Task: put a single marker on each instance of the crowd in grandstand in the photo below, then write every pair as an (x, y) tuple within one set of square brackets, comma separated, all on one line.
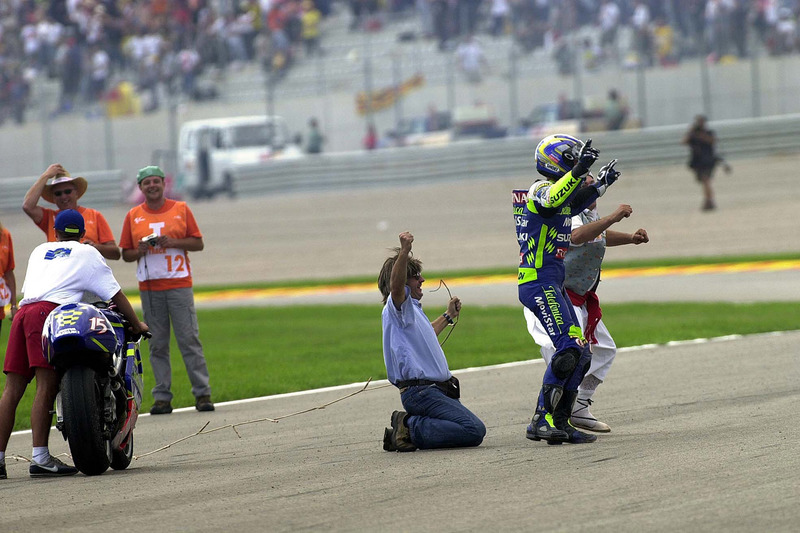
[(86, 43), (165, 44)]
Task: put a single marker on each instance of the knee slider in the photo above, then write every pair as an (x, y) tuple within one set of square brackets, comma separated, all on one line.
[(564, 363)]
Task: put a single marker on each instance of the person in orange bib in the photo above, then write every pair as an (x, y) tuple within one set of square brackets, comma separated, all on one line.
[(64, 191), (157, 235), (8, 282)]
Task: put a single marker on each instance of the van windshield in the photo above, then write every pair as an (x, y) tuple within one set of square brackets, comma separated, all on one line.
[(253, 135)]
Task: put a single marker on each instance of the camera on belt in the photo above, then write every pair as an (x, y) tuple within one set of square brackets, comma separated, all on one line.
[(151, 240)]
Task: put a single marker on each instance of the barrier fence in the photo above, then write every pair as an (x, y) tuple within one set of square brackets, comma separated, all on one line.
[(737, 139)]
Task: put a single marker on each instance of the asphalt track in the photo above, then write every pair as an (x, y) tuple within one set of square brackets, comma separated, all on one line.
[(703, 434)]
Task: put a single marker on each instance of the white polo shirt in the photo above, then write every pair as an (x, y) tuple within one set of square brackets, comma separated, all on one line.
[(60, 272)]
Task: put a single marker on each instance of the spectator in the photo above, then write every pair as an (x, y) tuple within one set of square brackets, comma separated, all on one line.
[(471, 59), (51, 33), (615, 111), (310, 19), (65, 191), (703, 158), (371, 138), (608, 20), (315, 137), (664, 42), (642, 41), (157, 235), (189, 62), (70, 65), (17, 89), (100, 65), (8, 282), (499, 12)]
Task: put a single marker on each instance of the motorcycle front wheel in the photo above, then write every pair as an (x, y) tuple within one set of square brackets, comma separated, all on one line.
[(82, 402)]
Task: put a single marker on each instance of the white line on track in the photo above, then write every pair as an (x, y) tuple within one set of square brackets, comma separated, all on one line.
[(639, 348)]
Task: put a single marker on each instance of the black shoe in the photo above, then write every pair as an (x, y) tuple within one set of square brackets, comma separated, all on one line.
[(204, 403), (161, 407), (53, 468), (387, 441), (399, 436), (3, 474)]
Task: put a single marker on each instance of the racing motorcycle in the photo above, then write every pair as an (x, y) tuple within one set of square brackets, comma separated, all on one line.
[(100, 393)]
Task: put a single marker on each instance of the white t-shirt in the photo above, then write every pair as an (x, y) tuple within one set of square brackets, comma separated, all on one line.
[(60, 272)]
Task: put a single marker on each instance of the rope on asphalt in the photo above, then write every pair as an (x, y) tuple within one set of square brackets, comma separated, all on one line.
[(202, 430)]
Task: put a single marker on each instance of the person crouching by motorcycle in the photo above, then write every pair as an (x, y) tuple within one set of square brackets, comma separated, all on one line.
[(58, 273)]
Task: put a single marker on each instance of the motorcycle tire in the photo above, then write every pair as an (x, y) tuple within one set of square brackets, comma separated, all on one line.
[(82, 403), (120, 459)]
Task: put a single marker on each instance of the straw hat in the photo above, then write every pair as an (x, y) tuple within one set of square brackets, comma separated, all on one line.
[(80, 186)]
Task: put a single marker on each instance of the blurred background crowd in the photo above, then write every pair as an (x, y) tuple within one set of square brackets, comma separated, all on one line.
[(162, 46)]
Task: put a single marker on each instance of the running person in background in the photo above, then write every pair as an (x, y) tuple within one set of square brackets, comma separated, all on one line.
[(157, 234), (416, 364), (65, 191), (544, 228), (589, 237)]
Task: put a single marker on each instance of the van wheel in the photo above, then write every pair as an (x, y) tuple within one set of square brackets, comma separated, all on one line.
[(227, 186)]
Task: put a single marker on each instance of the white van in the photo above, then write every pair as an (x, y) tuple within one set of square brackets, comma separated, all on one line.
[(209, 151)]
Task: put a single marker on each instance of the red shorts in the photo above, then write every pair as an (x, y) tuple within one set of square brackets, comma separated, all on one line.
[(24, 352)]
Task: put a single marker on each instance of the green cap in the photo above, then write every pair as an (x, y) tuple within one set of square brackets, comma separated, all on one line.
[(146, 172)]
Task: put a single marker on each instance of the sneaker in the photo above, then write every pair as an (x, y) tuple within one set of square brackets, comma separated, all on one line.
[(204, 403), (399, 436), (161, 407), (3, 474), (54, 467), (581, 417)]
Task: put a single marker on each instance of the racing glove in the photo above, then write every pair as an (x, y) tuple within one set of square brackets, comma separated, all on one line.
[(586, 158), (606, 177)]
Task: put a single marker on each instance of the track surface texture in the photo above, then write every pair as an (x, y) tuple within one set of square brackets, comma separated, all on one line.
[(703, 434)]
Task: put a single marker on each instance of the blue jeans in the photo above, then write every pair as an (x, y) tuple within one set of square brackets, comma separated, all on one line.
[(437, 421)]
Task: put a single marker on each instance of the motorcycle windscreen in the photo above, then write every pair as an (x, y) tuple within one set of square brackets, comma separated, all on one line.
[(78, 327)]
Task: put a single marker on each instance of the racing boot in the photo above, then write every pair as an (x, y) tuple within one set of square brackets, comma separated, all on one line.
[(561, 420), (542, 426)]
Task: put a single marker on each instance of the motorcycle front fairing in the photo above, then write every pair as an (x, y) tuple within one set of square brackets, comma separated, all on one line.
[(133, 388)]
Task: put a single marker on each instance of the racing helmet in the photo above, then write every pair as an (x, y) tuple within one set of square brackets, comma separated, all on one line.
[(556, 155)]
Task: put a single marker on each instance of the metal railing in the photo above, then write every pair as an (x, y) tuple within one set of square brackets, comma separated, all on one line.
[(737, 139)]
